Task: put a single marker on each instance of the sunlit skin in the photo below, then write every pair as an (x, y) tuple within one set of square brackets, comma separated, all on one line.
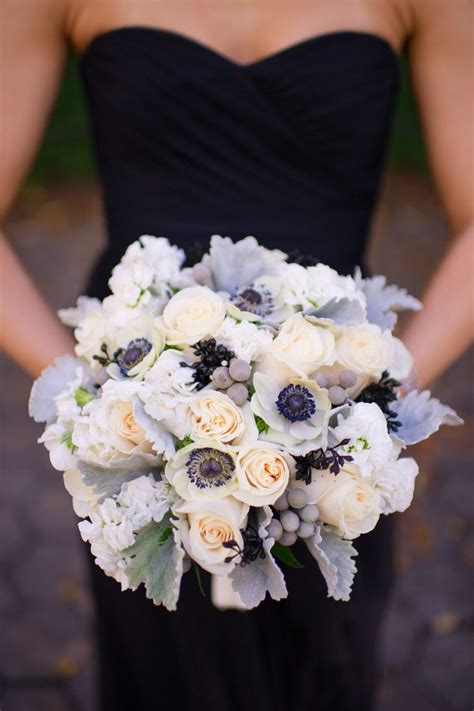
[(35, 34)]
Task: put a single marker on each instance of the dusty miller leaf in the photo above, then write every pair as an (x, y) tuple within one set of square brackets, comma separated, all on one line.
[(334, 557), (157, 562), (343, 312), (421, 415), (253, 581), (106, 482), (384, 301)]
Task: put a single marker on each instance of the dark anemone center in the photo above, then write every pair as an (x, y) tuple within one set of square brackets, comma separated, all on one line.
[(251, 296), (207, 467), (296, 403), (133, 354)]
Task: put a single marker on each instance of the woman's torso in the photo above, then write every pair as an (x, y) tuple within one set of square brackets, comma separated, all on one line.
[(193, 139)]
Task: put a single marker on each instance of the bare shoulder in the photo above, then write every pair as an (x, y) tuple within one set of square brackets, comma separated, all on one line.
[(31, 20), (439, 22)]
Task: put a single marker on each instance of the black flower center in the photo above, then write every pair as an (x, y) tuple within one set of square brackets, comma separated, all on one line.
[(133, 354), (257, 300), (207, 467), (296, 403)]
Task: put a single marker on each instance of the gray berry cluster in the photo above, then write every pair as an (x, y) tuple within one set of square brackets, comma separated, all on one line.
[(231, 378), (294, 517), (337, 384)]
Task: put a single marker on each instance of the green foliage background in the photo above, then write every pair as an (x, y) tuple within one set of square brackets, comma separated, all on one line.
[(66, 153)]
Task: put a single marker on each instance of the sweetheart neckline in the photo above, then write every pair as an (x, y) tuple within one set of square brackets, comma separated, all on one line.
[(210, 51)]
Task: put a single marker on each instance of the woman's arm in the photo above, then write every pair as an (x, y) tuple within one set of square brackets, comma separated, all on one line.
[(33, 52), (441, 59)]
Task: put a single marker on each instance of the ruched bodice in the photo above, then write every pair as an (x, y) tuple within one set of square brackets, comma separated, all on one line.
[(288, 148)]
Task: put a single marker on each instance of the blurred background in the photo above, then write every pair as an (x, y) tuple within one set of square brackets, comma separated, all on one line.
[(46, 653)]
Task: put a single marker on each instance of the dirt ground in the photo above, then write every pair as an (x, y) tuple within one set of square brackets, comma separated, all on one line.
[(46, 650)]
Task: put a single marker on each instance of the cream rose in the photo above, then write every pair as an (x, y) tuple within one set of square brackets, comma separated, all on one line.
[(300, 348), (351, 504), (192, 314), (263, 473), (206, 525), (367, 350), (214, 416), (108, 432)]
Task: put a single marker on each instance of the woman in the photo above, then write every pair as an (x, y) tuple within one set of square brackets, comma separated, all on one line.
[(237, 118)]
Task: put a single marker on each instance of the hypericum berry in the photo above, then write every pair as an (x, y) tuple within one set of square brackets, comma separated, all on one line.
[(288, 538), (239, 370), (238, 393), (323, 380), (275, 529), (337, 395), (281, 504), (305, 529), (309, 513), (221, 377), (347, 378), (289, 520), (297, 498), (202, 274)]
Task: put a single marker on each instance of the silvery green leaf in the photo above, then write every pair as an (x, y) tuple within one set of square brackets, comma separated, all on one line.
[(51, 383), (334, 556), (384, 301), (343, 312), (253, 581), (421, 415), (107, 482), (237, 264), (157, 562), (160, 438)]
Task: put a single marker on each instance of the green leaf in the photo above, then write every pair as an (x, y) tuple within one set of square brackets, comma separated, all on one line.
[(157, 562), (67, 440), (262, 426), (173, 289), (251, 390), (183, 442), (171, 348), (82, 396), (286, 555)]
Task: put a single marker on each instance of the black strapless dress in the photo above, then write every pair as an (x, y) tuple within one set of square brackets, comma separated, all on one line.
[(290, 149)]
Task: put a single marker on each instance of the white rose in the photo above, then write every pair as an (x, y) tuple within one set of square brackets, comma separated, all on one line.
[(192, 314), (299, 349), (351, 504), (206, 525), (108, 432), (203, 469), (263, 473), (367, 350), (213, 415)]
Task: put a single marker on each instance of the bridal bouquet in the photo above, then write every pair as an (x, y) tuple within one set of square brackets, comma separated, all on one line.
[(217, 415)]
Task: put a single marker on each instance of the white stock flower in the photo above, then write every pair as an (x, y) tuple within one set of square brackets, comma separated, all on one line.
[(396, 484), (294, 412), (263, 473), (204, 469), (114, 523), (162, 257), (84, 500), (246, 340), (206, 525), (57, 438), (313, 287), (369, 444), (349, 503), (192, 314), (367, 350), (131, 282), (299, 349), (108, 432)]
